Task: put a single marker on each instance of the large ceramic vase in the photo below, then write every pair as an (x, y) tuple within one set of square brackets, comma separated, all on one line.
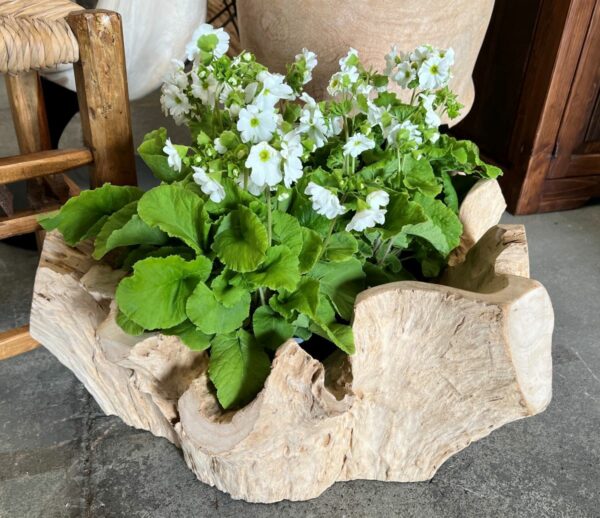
[(277, 30)]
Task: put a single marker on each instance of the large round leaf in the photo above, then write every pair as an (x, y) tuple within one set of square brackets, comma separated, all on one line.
[(154, 297), (211, 316), (241, 241)]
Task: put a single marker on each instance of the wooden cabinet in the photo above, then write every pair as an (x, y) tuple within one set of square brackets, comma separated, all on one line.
[(537, 108)]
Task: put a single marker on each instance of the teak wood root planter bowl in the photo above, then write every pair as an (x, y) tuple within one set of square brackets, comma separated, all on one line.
[(436, 367)]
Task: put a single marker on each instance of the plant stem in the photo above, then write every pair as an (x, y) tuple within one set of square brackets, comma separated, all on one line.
[(269, 216), (387, 252), (329, 233), (261, 293)]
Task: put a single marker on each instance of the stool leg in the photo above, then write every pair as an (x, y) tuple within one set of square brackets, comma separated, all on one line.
[(31, 126), (103, 96)]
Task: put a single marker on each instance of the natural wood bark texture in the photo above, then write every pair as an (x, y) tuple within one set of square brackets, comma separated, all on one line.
[(436, 367), (271, 30)]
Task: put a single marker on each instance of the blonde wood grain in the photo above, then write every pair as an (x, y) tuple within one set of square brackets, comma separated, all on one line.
[(33, 165), (16, 341), (103, 99), (24, 222), (436, 367)]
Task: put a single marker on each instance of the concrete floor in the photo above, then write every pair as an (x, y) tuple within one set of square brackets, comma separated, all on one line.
[(60, 456)]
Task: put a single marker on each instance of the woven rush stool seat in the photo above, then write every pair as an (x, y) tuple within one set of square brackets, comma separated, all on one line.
[(35, 35)]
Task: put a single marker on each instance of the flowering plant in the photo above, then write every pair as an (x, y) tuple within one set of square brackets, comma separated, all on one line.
[(283, 208)]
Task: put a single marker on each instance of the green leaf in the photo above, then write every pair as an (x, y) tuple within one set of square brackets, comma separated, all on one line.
[(129, 326), (234, 196), (176, 211), (227, 293), (418, 175), (401, 212), (340, 334), (155, 295), (278, 271), (431, 233), (301, 208), (211, 316), (238, 368), (450, 196), (80, 217), (144, 251), (241, 241), (270, 329), (287, 231), (151, 152), (112, 223), (305, 299), (341, 247), (136, 232), (325, 325), (190, 335), (444, 218), (312, 245), (341, 282)]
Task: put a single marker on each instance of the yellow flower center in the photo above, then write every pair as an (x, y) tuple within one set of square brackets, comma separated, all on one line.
[(264, 155), (254, 122)]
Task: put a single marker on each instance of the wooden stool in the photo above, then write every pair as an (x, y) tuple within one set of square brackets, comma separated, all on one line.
[(38, 34)]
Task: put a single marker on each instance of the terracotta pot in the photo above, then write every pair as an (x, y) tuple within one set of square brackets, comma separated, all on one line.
[(277, 31)]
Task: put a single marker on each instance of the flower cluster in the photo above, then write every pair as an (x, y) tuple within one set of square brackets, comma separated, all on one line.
[(283, 208)]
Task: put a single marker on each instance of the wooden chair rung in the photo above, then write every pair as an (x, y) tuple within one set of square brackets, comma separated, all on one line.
[(42, 163), (23, 222), (16, 341)]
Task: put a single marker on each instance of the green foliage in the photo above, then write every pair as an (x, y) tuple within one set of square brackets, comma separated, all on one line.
[(177, 212), (151, 151), (155, 296), (238, 367), (241, 241), (83, 216), (243, 247)]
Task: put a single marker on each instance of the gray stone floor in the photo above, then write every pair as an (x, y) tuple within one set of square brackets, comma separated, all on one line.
[(60, 456)]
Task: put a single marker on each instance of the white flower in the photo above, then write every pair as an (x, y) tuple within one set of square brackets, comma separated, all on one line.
[(177, 75), (291, 151), (173, 158), (366, 218), (310, 59), (433, 74), (447, 57), (342, 82), (374, 215), (378, 199), (208, 186), (192, 49), (364, 89), (250, 92), (312, 122), (324, 202), (221, 149), (205, 88), (391, 61), (274, 89), (358, 143), (414, 134), (251, 187), (256, 125), (421, 54), (349, 61), (175, 103), (264, 162), (335, 125), (405, 74), (374, 113), (432, 119)]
